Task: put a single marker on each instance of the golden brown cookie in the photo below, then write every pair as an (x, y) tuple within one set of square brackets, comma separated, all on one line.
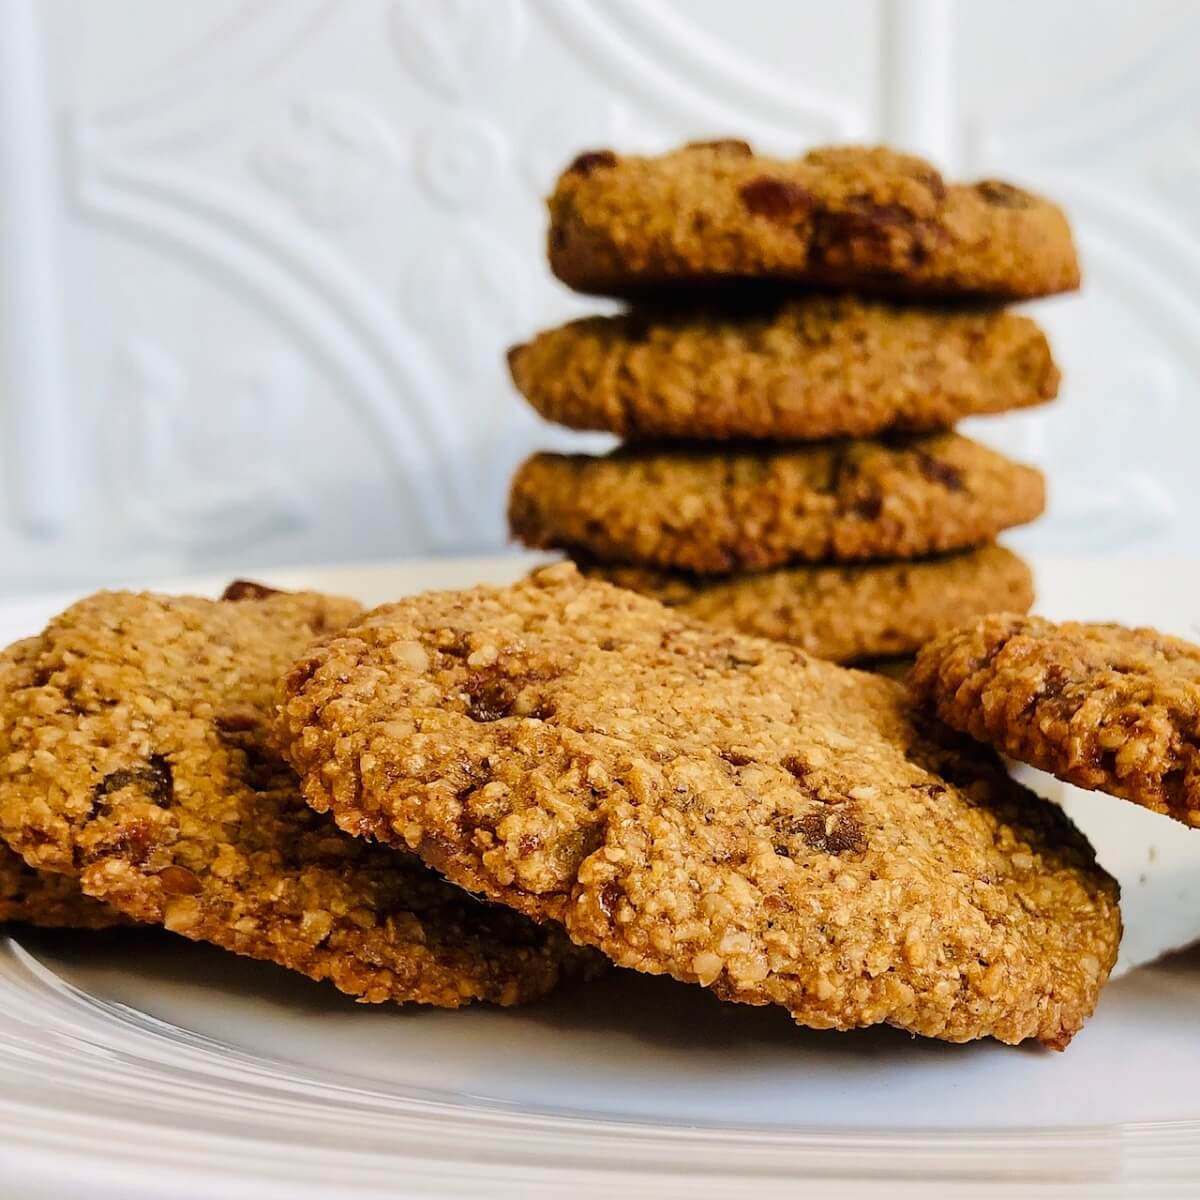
[(865, 218), (806, 368), (714, 511), (1104, 707), (53, 901), (844, 613), (722, 809), (42, 897), (134, 754)]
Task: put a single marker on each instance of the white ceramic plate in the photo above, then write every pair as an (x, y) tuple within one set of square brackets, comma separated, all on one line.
[(138, 1064)]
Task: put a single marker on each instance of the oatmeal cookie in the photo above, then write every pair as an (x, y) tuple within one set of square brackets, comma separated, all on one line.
[(717, 511), (806, 368), (134, 755), (879, 610), (1104, 707), (722, 809), (864, 218)]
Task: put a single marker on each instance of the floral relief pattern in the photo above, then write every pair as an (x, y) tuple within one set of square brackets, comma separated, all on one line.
[(460, 49), (203, 457), (460, 161), (331, 157), (470, 298)]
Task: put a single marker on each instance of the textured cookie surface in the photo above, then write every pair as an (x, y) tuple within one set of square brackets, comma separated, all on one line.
[(865, 218), (134, 754), (815, 367), (719, 808), (844, 613), (42, 897), (53, 901), (1101, 706), (715, 511)]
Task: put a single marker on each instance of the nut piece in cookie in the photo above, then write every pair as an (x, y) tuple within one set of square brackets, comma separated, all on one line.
[(845, 614), (135, 755), (865, 218), (1101, 706), (719, 808), (717, 511)]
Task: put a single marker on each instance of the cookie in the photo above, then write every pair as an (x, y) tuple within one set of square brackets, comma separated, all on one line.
[(135, 755), (722, 809), (1101, 706), (52, 901), (748, 508), (844, 613), (864, 218), (805, 368)]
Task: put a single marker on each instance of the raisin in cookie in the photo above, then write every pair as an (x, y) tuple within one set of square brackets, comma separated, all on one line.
[(722, 809), (845, 614), (714, 511), (1104, 707), (864, 218), (805, 368), (134, 755)]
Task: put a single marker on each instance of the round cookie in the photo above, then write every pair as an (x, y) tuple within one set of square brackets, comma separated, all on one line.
[(135, 755), (1104, 707), (864, 218), (713, 511), (845, 614), (52, 901), (722, 809), (807, 368)]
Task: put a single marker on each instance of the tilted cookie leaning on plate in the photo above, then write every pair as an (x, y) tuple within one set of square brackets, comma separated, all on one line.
[(1103, 707)]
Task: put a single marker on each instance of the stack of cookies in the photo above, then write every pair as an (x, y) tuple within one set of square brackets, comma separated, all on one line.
[(803, 336)]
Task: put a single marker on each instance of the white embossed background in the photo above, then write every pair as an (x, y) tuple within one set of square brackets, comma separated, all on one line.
[(259, 259)]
